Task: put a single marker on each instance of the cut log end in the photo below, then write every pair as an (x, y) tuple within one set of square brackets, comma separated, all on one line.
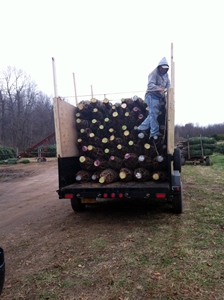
[(101, 180), (138, 175), (127, 156), (96, 163), (122, 175), (90, 148), (155, 176), (82, 159)]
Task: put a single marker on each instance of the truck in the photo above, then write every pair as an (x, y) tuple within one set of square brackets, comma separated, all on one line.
[(82, 194)]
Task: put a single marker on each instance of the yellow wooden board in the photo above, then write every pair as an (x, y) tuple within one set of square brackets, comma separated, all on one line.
[(65, 129)]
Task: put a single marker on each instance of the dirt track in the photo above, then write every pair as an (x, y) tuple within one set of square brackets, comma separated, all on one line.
[(30, 213), (27, 195), (36, 227)]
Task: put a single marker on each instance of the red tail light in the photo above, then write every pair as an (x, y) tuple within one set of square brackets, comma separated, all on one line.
[(161, 195), (68, 196)]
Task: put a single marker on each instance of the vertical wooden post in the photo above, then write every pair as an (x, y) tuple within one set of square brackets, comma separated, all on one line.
[(170, 110), (91, 91), (170, 122), (76, 98), (54, 78), (173, 70), (171, 67), (173, 80)]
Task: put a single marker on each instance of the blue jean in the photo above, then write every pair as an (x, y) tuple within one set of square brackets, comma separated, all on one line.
[(154, 106)]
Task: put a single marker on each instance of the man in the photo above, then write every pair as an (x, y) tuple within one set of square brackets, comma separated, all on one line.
[(158, 81)]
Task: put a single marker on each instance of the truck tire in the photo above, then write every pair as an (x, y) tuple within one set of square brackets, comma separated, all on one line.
[(178, 202), (183, 161), (207, 161), (77, 205), (177, 160)]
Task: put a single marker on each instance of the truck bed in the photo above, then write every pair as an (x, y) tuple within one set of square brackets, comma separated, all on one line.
[(70, 165), (117, 184)]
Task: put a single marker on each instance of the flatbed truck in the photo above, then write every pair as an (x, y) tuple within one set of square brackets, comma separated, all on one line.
[(82, 194)]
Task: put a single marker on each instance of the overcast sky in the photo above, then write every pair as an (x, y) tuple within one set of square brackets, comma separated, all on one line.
[(114, 44)]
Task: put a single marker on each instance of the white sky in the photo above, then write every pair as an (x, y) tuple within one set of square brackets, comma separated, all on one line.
[(114, 44)]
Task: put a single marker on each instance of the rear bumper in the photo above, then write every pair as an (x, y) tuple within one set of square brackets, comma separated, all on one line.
[(146, 190)]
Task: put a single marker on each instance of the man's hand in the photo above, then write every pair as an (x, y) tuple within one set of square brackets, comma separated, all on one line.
[(160, 90)]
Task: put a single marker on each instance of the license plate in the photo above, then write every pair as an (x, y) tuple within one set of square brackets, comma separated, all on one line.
[(88, 200)]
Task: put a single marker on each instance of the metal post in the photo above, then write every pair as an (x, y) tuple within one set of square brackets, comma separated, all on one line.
[(76, 99), (54, 77)]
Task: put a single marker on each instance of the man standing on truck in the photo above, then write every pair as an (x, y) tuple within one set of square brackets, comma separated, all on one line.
[(158, 82)]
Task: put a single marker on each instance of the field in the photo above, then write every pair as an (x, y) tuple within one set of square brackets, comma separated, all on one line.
[(115, 250)]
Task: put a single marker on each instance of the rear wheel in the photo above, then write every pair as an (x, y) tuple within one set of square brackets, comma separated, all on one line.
[(177, 160), (178, 202), (183, 161), (207, 161), (77, 205)]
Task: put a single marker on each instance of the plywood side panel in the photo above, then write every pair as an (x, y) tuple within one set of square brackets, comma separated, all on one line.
[(65, 130)]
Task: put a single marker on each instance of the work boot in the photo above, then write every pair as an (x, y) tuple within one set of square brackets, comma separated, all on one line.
[(139, 130)]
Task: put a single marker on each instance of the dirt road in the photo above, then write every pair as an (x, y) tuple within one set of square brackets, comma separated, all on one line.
[(27, 194), (30, 211), (39, 231)]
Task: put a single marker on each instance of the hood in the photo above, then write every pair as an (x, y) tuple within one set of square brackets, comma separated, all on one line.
[(163, 61)]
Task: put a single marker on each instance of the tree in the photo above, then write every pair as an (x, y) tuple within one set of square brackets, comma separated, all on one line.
[(26, 114), (189, 130)]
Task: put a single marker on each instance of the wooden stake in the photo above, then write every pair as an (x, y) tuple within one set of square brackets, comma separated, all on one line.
[(76, 98), (91, 91), (54, 78)]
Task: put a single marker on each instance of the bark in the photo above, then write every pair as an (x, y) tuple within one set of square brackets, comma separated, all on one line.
[(108, 176), (131, 161), (83, 176), (141, 174), (115, 162)]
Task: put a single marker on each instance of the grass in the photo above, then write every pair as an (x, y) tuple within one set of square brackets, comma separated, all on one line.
[(115, 252)]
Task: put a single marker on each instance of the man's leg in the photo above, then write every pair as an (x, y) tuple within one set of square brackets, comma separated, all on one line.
[(154, 109), (145, 125)]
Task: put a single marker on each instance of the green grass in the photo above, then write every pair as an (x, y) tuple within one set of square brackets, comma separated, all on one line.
[(217, 161), (118, 252)]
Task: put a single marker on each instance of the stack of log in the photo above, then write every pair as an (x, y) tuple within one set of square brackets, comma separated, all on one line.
[(110, 146), (197, 147)]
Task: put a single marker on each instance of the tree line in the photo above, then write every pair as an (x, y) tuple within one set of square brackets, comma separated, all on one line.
[(26, 114), (191, 130)]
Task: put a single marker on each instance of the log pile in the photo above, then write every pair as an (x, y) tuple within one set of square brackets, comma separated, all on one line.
[(110, 146), (197, 147)]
